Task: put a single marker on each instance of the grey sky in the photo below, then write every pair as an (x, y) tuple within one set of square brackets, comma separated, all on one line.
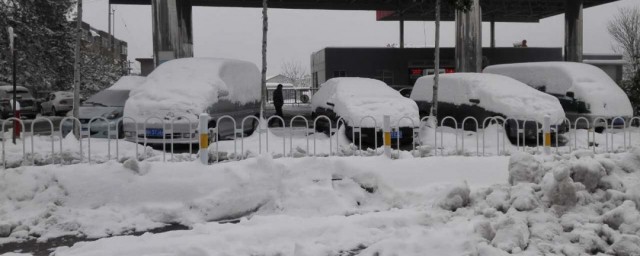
[(295, 34)]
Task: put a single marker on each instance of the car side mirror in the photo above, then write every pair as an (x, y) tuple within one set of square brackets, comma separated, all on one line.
[(571, 95), (542, 88), (331, 104), (223, 93), (474, 101)]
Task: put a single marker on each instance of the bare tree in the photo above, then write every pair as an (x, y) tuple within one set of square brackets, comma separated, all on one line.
[(295, 72), (625, 30)]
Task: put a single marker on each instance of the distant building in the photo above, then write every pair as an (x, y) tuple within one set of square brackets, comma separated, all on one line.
[(100, 42), (611, 64)]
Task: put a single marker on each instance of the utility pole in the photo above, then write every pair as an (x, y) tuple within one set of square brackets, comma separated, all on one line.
[(436, 77), (265, 28), (12, 37), (76, 70)]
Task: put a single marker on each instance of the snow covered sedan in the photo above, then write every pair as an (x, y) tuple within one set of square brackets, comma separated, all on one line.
[(108, 104), (362, 102), (583, 90), (180, 90), (481, 96)]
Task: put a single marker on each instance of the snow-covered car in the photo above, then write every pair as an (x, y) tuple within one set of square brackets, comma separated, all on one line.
[(107, 104), (583, 90), (26, 100), (362, 102), (481, 96), (178, 91), (57, 103)]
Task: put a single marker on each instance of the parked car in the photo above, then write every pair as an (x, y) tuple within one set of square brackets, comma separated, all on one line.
[(107, 104), (360, 100), (583, 90), (405, 90), (482, 96), (180, 90), (27, 102), (57, 103)]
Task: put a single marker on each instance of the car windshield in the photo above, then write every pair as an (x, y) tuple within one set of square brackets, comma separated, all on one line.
[(108, 98)]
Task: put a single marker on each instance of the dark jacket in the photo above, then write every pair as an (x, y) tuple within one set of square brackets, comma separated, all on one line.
[(278, 99)]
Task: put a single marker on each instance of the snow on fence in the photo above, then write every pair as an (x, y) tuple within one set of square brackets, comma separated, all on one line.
[(430, 137)]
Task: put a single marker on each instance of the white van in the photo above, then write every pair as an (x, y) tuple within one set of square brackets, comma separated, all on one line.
[(180, 90), (483, 96), (583, 90)]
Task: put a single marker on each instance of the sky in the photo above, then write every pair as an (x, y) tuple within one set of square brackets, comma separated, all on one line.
[(295, 34)]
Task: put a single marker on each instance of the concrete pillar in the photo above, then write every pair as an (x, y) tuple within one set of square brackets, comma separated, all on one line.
[(401, 32), (573, 31), (469, 39), (493, 33), (172, 30)]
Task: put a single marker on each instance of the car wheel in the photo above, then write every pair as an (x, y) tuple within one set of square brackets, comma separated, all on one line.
[(254, 126)]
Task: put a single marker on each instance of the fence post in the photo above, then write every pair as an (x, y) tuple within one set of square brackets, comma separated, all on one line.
[(547, 134), (204, 138), (386, 126)]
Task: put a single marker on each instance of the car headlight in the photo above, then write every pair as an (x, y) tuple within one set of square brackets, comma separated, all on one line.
[(113, 115)]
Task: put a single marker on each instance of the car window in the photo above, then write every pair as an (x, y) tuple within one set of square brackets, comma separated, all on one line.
[(108, 98), (52, 97)]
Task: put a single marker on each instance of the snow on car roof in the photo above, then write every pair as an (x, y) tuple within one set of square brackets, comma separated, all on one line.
[(127, 83), (587, 82), (193, 84), (356, 98), (496, 93)]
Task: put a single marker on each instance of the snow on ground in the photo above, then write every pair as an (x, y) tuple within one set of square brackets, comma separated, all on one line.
[(449, 142), (573, 204), (325, 193)]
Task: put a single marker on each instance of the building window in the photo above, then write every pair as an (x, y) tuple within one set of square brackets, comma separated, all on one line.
[(123, 49), (341, 73), (315, 79), (385, 76), (105, 42)]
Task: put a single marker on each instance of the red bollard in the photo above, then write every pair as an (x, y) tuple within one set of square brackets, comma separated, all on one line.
[(16, 124)]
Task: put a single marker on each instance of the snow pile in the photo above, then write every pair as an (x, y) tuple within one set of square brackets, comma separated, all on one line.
[(357, 98), (44, 154), (496, 93), (587, 82), (374, 206), (189, 86), (128, 83), (585, 204)]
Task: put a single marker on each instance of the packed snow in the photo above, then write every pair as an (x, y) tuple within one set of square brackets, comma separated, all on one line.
[(571, 204), (587, 82), (356, 98), (496, 93), (189, 86), (128, 83)]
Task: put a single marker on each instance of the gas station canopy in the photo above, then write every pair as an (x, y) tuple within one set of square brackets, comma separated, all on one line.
[(412, 10)]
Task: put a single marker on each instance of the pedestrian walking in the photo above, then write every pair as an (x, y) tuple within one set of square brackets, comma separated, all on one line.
[(278, 100)]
